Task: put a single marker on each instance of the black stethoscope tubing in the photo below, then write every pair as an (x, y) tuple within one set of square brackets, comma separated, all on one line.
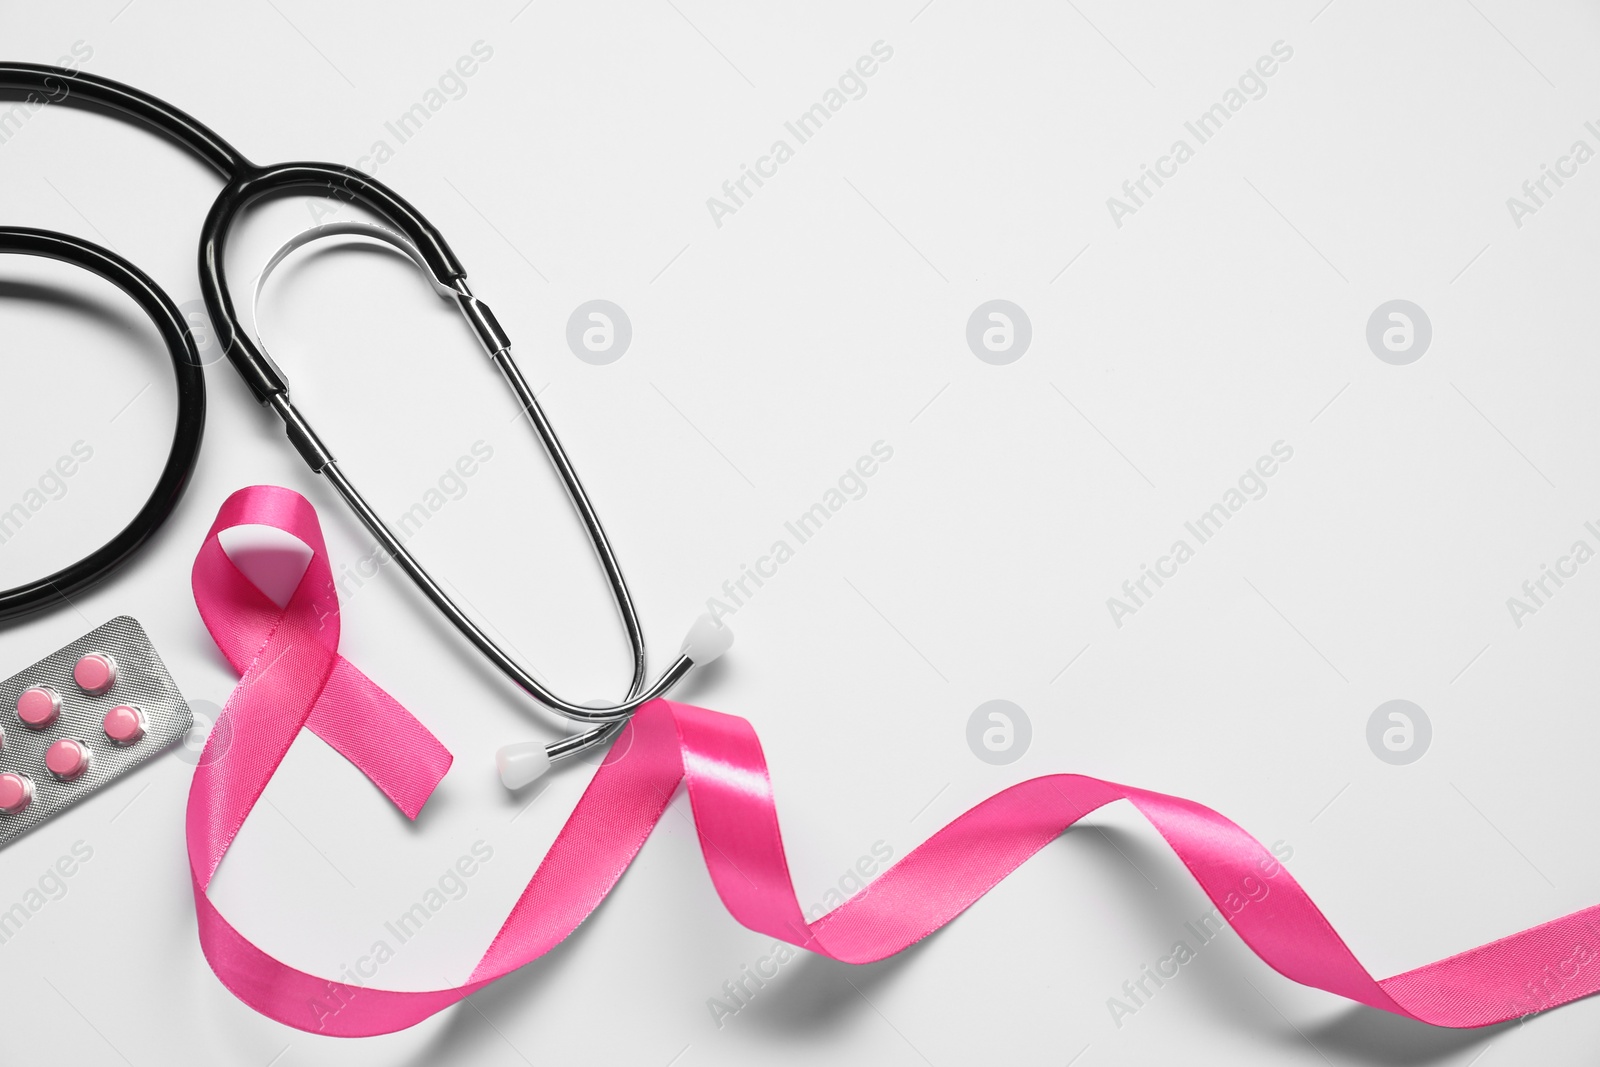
[(59, 587), (246, 183)]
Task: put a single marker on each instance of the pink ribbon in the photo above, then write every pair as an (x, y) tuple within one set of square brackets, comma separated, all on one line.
[(292, 677)]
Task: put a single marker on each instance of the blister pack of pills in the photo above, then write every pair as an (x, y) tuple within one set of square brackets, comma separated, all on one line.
[(81, 718)]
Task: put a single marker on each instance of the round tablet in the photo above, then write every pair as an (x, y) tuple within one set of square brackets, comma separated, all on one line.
[(95, 673), (16, 793), (38, 707), (125, 724), (67, 759)]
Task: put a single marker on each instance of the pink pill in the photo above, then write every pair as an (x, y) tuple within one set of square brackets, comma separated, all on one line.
[(38, 707), (67, 759), (95, 673), (125, 724), (16, 793)]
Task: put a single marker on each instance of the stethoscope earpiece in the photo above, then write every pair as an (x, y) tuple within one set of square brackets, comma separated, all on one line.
[(525, 762), (706, 640), (522, 764)]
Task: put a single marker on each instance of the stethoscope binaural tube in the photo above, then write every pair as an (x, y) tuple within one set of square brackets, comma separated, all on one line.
[(58, 588), (247, 183), (704, 643)]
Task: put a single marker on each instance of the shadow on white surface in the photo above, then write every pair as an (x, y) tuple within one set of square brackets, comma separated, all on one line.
[(1236, 983)]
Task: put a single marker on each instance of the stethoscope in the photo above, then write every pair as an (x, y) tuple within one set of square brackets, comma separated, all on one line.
[(409, 231)]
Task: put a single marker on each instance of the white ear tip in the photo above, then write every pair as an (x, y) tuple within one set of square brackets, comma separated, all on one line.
[(707, 639), (521, 764)]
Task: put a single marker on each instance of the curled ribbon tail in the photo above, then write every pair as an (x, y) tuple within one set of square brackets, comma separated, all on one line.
[(292, 677)]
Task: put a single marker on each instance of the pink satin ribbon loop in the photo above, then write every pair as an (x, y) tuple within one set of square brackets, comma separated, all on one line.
[(292, 676)]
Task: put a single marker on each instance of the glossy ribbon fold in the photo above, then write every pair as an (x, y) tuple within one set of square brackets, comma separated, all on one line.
[(292, 677)]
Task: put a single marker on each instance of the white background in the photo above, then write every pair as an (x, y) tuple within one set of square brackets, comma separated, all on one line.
[(828, 313)]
